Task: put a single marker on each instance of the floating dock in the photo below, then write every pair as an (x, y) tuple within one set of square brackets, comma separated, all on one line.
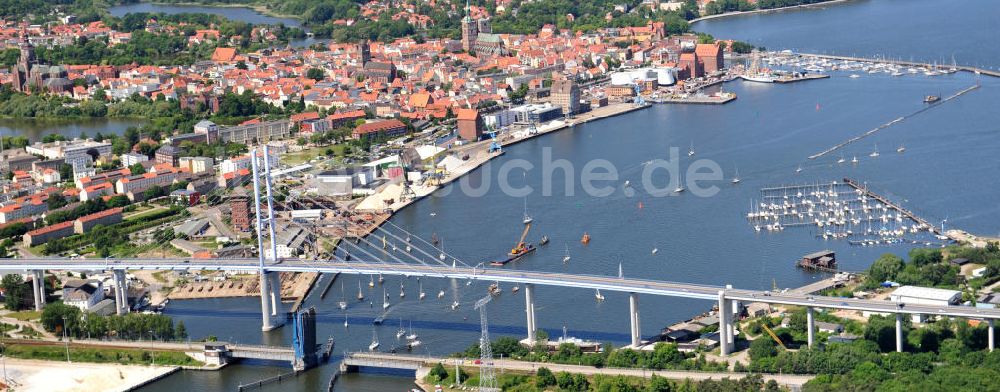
[(698, 100), (884, 200), (800, 78)]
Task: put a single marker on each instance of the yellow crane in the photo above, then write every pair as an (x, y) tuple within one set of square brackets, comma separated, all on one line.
[(773, 335), (521, 246)]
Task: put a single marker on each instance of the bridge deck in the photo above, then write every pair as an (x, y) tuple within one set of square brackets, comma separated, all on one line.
[(606, 283)]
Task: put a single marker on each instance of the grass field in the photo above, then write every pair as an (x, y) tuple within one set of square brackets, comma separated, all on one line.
[(100, 355)]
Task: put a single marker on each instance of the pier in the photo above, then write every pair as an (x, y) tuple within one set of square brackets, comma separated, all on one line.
[(697, 99), (801, 78), (966, 68), (893, 122), (884, 200)]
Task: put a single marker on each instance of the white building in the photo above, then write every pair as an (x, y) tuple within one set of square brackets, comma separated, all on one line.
[(132, 158), (83, 294), (197, 164), (915, 295)]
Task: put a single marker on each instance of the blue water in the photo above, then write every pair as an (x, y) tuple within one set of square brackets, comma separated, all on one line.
[(922, 30)]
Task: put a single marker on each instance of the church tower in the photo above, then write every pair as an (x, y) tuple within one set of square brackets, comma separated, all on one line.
[(470, 30), (366, 52), (22, 71)]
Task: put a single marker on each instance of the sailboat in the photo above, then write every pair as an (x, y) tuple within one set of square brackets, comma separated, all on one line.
[(380, 279), (442, 256), (411, 335), (901, 149), (841, 160), (515, 289), (374, 344), (874, 154), (402, 292), (441, 294), (527, 218), (371, 281), (798, 169), (736, 178), (345, 322), (422, 293), (454, 305), (401, 332), (566, 257), (598, 295), (343, 297), (385, 299), (361, 296), (855, 159), (680, 185), (691, 150)]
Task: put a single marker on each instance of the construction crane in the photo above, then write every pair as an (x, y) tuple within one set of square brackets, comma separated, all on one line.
[(487, 375), (773, 335), (522, 247)]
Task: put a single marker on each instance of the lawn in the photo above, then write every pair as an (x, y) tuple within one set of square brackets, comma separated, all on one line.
[(25, 315), (100, 355)]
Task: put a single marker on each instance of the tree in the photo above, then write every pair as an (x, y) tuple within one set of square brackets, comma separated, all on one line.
[(58, 316), (659, 384), (14, 291), (241, 65), (885, 268), (55, 201), (544, 377), (181, 330), (762, 347), (315, 74), (66, 172), (137, 169), (438, 372)]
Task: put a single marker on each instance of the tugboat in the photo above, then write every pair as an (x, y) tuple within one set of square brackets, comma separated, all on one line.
[(544, 240)]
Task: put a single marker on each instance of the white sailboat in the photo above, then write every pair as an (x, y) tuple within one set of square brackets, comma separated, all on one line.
[(422, 293), (343, 297), (691, 150), (381, 279), (566, 257), (442, 255), (656, 250), (374, 344), (798, 169), (345, 322), (401, 332), (901, 149), (680, 185), (855, 159), (361, 296), (402, 291), (441, 294), (371, 281), (527, 218), (385, 299), (736, 178), (599, 296), (411, 335), (874, 154), (841, 160), (454, 305)]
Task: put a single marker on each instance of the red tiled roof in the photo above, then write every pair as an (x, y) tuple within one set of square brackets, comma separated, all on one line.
[(49, 229), (378, 126), (102, 214)]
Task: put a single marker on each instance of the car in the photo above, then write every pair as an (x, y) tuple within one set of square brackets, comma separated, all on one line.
[(900, 305), (843, 304), (477, 362)]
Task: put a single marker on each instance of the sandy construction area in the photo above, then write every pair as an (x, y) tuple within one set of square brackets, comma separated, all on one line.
[(31, 375)]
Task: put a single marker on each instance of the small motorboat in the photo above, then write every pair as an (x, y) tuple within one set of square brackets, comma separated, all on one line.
[(544, 240), (585, 239)]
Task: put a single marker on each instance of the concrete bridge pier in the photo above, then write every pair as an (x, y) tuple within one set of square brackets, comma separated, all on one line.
[(633, 304), (724, 348), (270, 300), (38, 288), (899, 332), (121, 292), (529, 310), (810, 326), (990, 334)]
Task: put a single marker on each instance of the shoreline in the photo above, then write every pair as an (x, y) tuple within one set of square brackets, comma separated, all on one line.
[(765, 11), (260, 9), (39, 375)]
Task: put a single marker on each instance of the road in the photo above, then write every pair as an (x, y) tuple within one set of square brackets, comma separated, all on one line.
[(490, 274), (791, 380)]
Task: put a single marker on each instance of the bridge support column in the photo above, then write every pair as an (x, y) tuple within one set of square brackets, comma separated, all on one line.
[(810, 326), (269, 301), (990, 334), (121, 292), (899, 332), (633, 304), (38, 288), (723, 324), (529, 311)]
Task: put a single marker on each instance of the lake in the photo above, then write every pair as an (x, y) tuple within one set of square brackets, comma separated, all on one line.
[(35, 129)]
